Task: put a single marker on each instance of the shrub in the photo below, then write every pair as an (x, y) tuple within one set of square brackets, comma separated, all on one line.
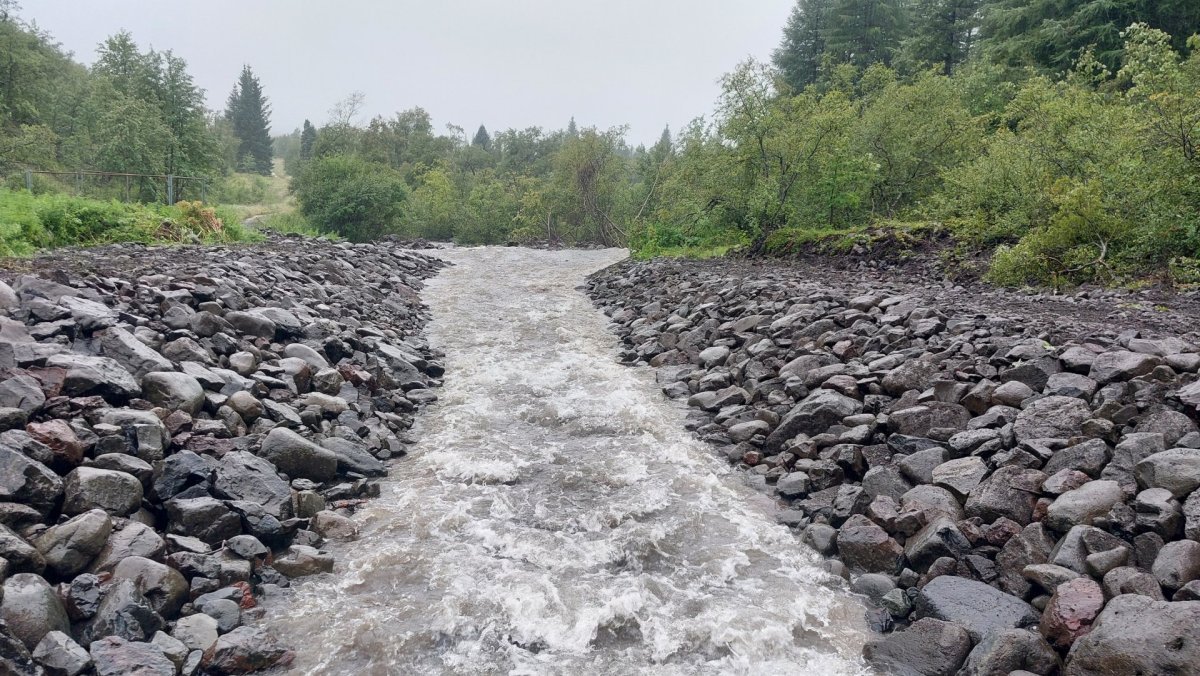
[(357, 199)]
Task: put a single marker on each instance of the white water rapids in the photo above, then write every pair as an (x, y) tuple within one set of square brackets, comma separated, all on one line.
[(556, 518)]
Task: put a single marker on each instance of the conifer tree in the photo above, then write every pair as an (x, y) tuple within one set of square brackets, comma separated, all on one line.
[(864, 32), (308, 136), (249, 114), (482, 139), (800, 53)]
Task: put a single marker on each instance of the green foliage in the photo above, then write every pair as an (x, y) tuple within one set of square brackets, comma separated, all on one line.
[(358, 199), (249, 113), (240, 189), (294, 223)]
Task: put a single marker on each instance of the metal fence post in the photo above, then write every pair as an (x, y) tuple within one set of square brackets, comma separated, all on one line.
[(170, 189), (79, 183), (29, 180)]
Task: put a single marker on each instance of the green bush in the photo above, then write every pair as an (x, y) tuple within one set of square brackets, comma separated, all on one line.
[(292, 223), (357, 199), (240, 189)]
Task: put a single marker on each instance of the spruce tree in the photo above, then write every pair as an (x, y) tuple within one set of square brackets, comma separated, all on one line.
[(799, 55), (249, 115), (942, 33), (308, 137), (864, 32), (482, 139)]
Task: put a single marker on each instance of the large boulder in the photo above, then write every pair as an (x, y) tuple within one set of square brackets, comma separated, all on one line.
[(175, 391), (352, 457), (123, 612), (86, 375), (61, 655), (929, 647), (1051, 417), (298, 457), (244, 650), (162, 586), (816, 413), (1083, 505), (1010, 493), (1136, 634), (32, 609), (137, 357), (247, 477), (69, 547), (129, 538), (1071, 611), (115, 656), (866, 548), (977, 607), (1111, 367), (1176, 469), (1011, 651), (22, 392), (88, 488), (28, 482)]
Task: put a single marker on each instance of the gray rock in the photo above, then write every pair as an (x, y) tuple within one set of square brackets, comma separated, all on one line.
[(173, 648), (1084, 505), (31, 609), (1011, 651), (1177, 470), (88, 488), (246, 405), (977, 607), (300, 560), (246, 477), (1130, 580), (86, 375), (179, 471), (197, 632), (61, 656), (21, 557), (22, 392), (939, 538), (175, 391), (1049, 576), (866, 548), (123, 612), (114, 656), (28, 481), (930, 647), (1177, 564), (793, 485), (1173, 425), (1078, 547), (298, 457), (1156, 510), (1138, 635), (205, 518), (129, 538), (242, 650), (1117, 366), (919, 421), (131, 353), (69, 547), (1051, 418), (1010, 493), (1089, 457), (814, 415), (163, 587), (961, 475), (352, 457), (918, 467)]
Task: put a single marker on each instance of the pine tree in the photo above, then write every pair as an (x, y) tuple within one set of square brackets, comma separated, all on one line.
[(864, 32), (482, 139), (799, 54), (942, 33), (572, 128), (249, 114), (308, 136)]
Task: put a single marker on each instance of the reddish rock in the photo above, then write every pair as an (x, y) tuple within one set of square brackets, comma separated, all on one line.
[(61, 439), (752, 458), (244, 650), (1071, 611)]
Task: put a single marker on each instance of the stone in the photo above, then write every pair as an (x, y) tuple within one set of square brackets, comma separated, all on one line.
[(1009, 493), (1012, 393), (226, 612), (1156, 510), (205, 518), (298, 457), (301, 560), (1116, 366), (1084, 505), (352, 457), (794, 485), (173, 648), (175, 391), (31, 609), (69, 547), (919, 421), (1051, 418), (930, 647), (1173, 425), (123, 612), (961, 475), (1177, 564), (918, 467), (1071, 611), (197, 632), (86, 375), (939, 538), (977, 607), (129, 538), (1177, 470), (23, 393), (1076, 549), (1130, 580), (1089, 457), (180, 471), (246, 405), (246, 477), (866, 548), (244, 650), (334, 526), (1138, 635), (814, 415), (28, 482), (131, 353), (19, 555), (163, 587), (88, 488), (61, 656), (115, 656), (1049, 576)]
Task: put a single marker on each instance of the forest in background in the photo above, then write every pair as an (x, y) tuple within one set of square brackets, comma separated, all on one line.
[(1056, 141)]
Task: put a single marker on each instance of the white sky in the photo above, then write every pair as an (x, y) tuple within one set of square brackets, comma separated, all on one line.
[(503, 63)]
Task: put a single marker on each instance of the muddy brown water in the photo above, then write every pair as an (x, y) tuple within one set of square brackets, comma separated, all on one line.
[(556, 518)]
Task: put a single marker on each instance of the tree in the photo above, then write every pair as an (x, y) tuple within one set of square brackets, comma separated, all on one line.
[(357, 199), (250, 114), (572, 128), (482, 139), (943, 32), (308, 137), (863, 32), (799, 56)]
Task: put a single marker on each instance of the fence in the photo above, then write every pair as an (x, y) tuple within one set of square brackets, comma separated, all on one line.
[(167, 188)]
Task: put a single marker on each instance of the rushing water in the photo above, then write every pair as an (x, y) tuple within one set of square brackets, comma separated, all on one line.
[(557, 519)]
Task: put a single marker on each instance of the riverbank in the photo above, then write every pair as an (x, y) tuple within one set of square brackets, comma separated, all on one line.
[(181, 430), (1008, 477)]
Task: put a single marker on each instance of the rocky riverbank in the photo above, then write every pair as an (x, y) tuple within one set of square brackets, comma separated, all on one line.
[(1011, 480), (181, 429)]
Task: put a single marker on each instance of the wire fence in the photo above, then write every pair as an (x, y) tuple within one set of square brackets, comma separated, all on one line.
[(164, 188)]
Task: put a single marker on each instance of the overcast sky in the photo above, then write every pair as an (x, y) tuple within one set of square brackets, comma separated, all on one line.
[(503, 63)]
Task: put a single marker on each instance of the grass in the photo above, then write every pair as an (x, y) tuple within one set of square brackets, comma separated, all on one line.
[(250, 195), (293, 223)]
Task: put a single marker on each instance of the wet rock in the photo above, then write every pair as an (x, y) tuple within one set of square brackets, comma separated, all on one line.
[(1084, 547), (1138, 635), (20, 556), (1117, 366), (205, 518), (246, 477), (1084, 505), (960, 476), (939, 538), (124, 612), (352, 457), (244, 650), (31, 609), (61, 656), (298, 457), (1071, 611), (1130, 580), (300, 561), (88, 488), (23, 393), (28, 481), (176, 391), (197, 632), (1009, 493), (866, 548), (977, 607), (164, 588), (129, 538), (115, 656), (333, 526), (86, 375), (131, 353), (930, 647), (1011, 651), (814, 415), (69, 547)]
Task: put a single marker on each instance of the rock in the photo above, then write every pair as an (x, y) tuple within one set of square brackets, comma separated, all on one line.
[(796, 484), (163, 587), (205, 518), (246, 405), (298, 457), (333, 526), (1177, 470), (28, 481), (20, 556), (919, 421), (939, 538), (300, 560), (1012, 393), (69, 547), (129, 538), (1071, 611), (31, 609), (247, 547), (175, 391), (915, 374), (975, 606), (1049, 576), (918, 467), (1009, 493), (1173, 425), (1083, 505), (22, 392), (930, 647), (131, 353), (61, 656), (1138, 635), (1051, 418), (242, 651), (1011, 651), (123, 612), (1177, 564), (225, 611), (866, 548), (1156, 510), (873, 586), (715, 401), (1078, 547), (246, 477), (179, 471), (819, 411), (961, 475), (114, 656), (174, 649), (87, 375), (1112, 367), (88, 488), (1089, 457), (1130, 580), (197, 632), (352, 457)]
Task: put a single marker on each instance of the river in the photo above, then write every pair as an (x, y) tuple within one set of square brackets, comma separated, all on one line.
[(556, 518)]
